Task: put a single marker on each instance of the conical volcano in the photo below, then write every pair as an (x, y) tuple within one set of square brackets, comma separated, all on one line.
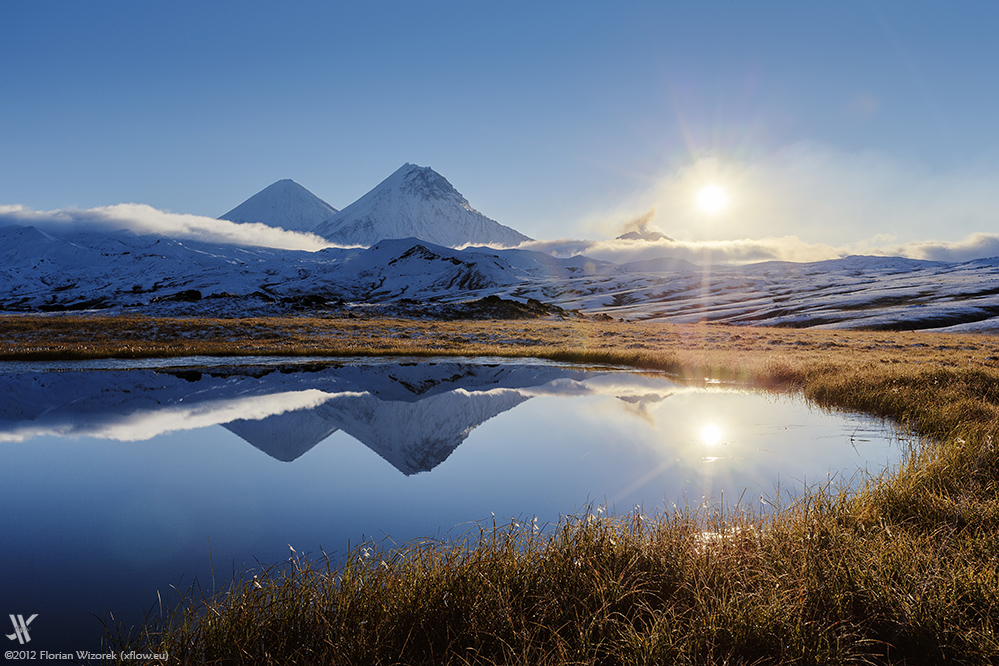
[(284, 204), (416, 202)]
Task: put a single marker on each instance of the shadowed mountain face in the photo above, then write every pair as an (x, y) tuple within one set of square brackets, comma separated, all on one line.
[(414, 415)]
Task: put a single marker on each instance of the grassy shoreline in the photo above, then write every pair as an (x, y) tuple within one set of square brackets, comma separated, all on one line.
[(902, 571)]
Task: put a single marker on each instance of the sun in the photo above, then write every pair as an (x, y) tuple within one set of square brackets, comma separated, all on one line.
[(712, 199)]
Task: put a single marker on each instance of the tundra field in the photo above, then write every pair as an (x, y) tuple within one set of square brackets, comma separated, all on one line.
[(903, 570)]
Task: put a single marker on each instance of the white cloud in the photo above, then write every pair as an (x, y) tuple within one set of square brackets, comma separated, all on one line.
[(143, 219)]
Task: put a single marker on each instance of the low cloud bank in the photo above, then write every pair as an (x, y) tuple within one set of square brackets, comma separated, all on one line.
[(750, 250), (975, 246), (742, 251), (143, 219)]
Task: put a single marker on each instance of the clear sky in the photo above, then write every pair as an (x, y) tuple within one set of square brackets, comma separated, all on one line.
[(848, 124)]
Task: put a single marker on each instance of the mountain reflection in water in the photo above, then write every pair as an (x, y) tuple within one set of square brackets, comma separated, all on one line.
[(411, 414), (115, 481)]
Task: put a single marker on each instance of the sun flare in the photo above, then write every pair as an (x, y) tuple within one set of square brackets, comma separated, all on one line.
[(712, 199), (711, 434)]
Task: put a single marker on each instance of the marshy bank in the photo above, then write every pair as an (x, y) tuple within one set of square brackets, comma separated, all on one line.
[(902, 570)]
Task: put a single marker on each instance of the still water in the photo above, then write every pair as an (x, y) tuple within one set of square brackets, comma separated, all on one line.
[(119, 483)]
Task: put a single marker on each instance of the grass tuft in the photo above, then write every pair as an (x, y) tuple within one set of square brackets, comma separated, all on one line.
[(807, 585)]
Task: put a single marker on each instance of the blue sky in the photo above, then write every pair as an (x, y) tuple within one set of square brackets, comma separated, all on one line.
[(854, 124)]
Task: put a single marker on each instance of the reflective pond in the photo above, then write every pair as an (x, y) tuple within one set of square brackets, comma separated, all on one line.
[(119, 482)]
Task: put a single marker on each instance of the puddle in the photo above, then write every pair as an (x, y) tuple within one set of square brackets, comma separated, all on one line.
[(116, 481)]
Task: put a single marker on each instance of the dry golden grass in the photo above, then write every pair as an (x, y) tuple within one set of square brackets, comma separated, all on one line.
[(50, 337)]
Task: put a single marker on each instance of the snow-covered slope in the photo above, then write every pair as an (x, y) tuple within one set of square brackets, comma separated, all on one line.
[(284, 204), (416, 202), (45, 271), (39, 271), (84, 270), (853, 292)]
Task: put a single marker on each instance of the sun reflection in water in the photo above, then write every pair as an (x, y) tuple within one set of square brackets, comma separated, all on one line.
[(711, 435)]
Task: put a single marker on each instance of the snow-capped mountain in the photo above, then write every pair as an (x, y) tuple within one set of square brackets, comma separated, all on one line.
[(416, 202), (284, 204)]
